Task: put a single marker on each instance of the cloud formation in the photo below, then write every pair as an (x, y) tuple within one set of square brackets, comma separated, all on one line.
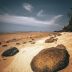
[(28, 7), (27, 20), (40, 13)]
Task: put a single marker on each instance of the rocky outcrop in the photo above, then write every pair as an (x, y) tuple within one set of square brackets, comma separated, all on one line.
[(50, 60)]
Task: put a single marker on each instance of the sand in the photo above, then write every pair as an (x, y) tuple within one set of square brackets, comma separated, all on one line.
[(21, 61)]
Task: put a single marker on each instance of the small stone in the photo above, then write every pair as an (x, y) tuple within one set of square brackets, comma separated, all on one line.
[(17, 43), (0, 43), (4, 45)]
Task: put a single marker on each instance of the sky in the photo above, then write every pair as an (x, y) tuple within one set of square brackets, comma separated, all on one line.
[(33, 15)]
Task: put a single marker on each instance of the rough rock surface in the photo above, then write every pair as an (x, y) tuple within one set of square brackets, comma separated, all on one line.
[(50, 60), (10, 52), (50, 40)]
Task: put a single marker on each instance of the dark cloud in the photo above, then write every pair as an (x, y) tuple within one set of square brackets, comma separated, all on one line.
[(42, 10)]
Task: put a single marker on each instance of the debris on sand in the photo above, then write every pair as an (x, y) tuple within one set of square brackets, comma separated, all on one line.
[(8, 41), (4, 45), (50, 60), (12, 40), (57, 34), (32, 39), (24, 42), (0, 43), (51, 39), (17, 43), (4, 59), (32, 42), (10, 52)]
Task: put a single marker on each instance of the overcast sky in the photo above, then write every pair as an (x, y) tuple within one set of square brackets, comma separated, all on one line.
[(33, 15)]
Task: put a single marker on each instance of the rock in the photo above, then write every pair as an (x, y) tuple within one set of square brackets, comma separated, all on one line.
[(61, 46), (50, 40), (24, 42), (12, 40), (17, 43), (0, 43), (4, 45), (32, 39), (32, 42), (56, 34), (50, 60), (10, 52)]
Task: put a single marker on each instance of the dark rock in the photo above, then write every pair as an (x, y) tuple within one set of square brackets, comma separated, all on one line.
[(7, 41), (32, 39), (10, 52), (32, 42), (4, 59), (12, 40), (57, 34), (17, 43), (61, 46), (50, 40), (0, 43), (24, 42), (4, 45), (50, 60)]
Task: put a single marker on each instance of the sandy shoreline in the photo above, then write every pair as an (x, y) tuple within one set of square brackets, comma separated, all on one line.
[(21, 61)]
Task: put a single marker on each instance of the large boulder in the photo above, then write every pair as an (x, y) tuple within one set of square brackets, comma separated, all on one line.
[(50, 60), (10, 52)]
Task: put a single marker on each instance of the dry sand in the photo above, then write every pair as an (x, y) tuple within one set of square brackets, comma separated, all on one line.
[(21, 61)]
